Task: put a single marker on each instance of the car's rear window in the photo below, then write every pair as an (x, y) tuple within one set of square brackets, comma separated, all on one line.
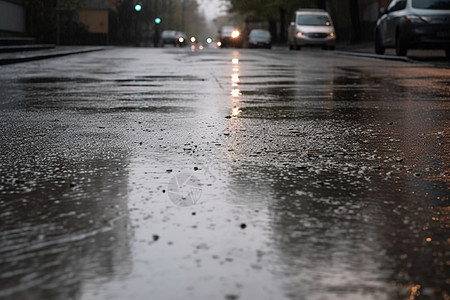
[(313, 20), (168, 34), (431, 4), (260, 33), (227, 30)]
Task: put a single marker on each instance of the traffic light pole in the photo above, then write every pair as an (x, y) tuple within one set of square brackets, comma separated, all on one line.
[(156, 24), (137, 30)]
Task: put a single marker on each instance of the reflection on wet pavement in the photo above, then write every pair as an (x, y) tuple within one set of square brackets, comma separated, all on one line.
[(223, 175)]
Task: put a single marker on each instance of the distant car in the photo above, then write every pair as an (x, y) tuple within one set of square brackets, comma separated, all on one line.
[(173, 37), (230, 37), (410, 24), (312, 27), (260, 38)]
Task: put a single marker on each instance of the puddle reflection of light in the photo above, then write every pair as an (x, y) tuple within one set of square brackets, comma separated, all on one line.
[(192, 47), (235, 112), (200, 47), (235, 78), (235, 61), (236, 93)]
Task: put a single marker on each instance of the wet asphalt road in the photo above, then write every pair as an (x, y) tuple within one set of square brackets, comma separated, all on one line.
[(224, 174)]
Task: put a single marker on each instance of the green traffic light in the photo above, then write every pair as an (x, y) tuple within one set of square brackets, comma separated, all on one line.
[(158, 20), (138, 7)]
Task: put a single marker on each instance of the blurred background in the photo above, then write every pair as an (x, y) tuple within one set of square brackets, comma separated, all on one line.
[(140, 22)]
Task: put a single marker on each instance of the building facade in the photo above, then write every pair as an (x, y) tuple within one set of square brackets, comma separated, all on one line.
[(12, 17)]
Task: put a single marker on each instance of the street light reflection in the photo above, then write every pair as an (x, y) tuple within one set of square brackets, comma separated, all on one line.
[(235, 79), (235, 61), (236, 93), (235, 112)]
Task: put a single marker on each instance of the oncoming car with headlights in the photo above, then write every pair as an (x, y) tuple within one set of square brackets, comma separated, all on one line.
[(312, 27), (230, 37), (413, 24)]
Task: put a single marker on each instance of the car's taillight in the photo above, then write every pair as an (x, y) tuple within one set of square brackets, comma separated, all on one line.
[(414, 19)]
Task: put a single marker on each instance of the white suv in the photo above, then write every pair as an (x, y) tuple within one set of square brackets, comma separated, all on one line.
[(311, 27)]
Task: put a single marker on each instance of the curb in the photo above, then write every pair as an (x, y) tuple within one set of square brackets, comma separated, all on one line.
[(28, 58), (21, 48), (374, 56)]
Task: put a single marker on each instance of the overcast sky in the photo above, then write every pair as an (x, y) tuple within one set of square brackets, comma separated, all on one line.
[(212, 8)]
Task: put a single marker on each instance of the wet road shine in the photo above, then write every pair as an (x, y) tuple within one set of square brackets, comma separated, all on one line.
[(224, 174)]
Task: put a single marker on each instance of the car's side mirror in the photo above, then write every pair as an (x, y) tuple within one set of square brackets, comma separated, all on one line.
[(383, 11), (292, 24)]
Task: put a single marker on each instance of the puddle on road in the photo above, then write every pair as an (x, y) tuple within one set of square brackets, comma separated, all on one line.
[(72, 220)]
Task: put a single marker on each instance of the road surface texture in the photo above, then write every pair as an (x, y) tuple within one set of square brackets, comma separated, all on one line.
[(224, 174)]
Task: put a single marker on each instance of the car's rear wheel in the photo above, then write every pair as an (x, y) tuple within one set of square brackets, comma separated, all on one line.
[(291, 47), (379, 49), (298, 47), (401, 47), (447, 53)]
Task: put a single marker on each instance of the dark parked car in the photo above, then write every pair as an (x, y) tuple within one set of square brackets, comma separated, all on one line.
[(412, 24), (172, 37), (260, 38)]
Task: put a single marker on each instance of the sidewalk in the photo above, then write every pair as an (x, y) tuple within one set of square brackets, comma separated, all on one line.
[(24, 56), (368, 50)]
